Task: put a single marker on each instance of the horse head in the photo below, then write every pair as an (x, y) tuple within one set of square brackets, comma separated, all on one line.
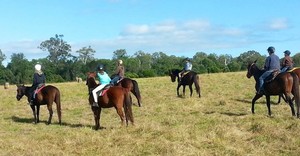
[(21, 91), (90, 80), (251, 69), (173, 75)]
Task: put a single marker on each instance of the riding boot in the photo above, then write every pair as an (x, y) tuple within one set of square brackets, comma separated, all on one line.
[(95, 104)]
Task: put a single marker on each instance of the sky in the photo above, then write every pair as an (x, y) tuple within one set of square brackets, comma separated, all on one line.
[(175, 27)]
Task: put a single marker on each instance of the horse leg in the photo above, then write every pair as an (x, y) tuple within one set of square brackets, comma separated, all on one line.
[(121, 114), (37, 113), (290, 101), (34, 113), (178, 89), (183, 91), (50, 113), (268, 104), (97, 112), (257, 96), (191, 90)]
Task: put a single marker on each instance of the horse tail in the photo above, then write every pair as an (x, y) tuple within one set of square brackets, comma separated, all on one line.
[(58, 104), (136, 92), (128, 107), (296, 93), (197, 84)]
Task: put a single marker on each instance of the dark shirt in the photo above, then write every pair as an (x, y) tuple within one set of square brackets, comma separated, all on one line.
[(272, 62), (38, 79)]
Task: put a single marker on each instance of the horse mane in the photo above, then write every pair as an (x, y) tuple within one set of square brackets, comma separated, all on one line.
[(90, 81)]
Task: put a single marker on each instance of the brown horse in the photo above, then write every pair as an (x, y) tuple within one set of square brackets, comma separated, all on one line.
[(46, 96), (286, 84), (295, 70), (117, 97), (133, 86), (188, 79), (130, 84)]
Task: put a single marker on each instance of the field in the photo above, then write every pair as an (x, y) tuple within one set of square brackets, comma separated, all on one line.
[(218, 123)]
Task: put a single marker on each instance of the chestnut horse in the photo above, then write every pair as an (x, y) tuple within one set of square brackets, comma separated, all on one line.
[(295, 70), (188, 79), (117, 97), (46, 96), (286, 84), (133, 86)]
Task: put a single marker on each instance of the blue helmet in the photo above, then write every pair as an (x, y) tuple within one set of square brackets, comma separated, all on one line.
[(271, 49), (287, 52)]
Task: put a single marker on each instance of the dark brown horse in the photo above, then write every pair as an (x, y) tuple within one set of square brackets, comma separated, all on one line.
[(286, 84), (295, 70), (46, 96), (117, 97), (188, 79)]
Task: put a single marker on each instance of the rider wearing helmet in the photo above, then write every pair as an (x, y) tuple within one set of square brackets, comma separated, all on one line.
[(187, 67), (287, 62), (272, 64), (104, 80), (39, 80), (119, 73)]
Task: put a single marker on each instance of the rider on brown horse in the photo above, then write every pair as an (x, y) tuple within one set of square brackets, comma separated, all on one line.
[(272, 64), (39, 80), (104, 80), (119, 73), (287, 62)]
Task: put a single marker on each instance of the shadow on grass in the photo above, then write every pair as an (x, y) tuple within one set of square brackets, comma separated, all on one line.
[(233, 114), (257, 102), (30, 120)]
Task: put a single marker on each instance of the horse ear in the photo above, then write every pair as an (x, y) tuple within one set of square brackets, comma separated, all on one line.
[(255, 61)]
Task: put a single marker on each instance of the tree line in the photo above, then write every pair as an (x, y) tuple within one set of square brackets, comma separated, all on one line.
[(61, 66)]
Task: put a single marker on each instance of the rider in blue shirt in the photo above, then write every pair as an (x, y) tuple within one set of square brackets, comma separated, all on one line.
[(187, 67), (104, 80), (272, 63)]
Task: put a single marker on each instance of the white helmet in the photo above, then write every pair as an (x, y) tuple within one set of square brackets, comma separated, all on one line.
[(120, 61), (38, 67)]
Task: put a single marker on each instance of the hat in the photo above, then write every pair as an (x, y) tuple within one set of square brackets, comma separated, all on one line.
[(287, 52), (37, 67)]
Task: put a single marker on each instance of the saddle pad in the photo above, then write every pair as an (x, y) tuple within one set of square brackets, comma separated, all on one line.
[(39, 89), (291, 70)]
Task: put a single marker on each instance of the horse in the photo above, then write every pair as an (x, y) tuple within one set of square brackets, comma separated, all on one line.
[(131, 84), (116, 96), (188, 79), (286, 84), (46, 96), (295, 70)]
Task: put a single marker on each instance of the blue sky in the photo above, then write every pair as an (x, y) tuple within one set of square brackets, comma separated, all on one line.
[(175, 27)]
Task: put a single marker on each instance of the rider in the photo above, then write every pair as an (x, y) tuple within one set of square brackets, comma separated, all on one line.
[(39, 79), (104, 80), (187, 67), (287, 62), (119, 72), (272, 63)]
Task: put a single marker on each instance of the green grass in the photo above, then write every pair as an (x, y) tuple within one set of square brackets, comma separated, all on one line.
[(218, 123)]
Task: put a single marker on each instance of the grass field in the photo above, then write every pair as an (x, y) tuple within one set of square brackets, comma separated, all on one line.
[(218, 123)]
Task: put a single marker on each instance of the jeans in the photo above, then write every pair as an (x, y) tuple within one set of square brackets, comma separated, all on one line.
[(115, 80), (263, 77)]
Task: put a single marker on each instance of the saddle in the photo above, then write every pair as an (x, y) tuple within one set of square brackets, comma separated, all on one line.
[(291, 70), (38, 89), (103, 90), (272, 76), (184, 73)]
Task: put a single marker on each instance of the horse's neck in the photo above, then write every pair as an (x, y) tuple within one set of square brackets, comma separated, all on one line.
[(257, 74), (27, 91)]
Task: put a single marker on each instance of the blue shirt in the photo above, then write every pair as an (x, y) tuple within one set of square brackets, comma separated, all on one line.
[(103, 78), (188, 66), (272, 62)]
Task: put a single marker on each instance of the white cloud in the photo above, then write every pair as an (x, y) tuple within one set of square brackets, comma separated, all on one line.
[(278, 24)]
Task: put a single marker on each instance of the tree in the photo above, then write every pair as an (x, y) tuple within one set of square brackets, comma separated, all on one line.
[(21, 68), (245, 58), (58, 48), (86, 54), (120, 54), (2, 57)]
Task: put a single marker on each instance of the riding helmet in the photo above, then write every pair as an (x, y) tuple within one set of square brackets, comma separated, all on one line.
[(271, 49), (37, 67), (287, 52), (100, 67)]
